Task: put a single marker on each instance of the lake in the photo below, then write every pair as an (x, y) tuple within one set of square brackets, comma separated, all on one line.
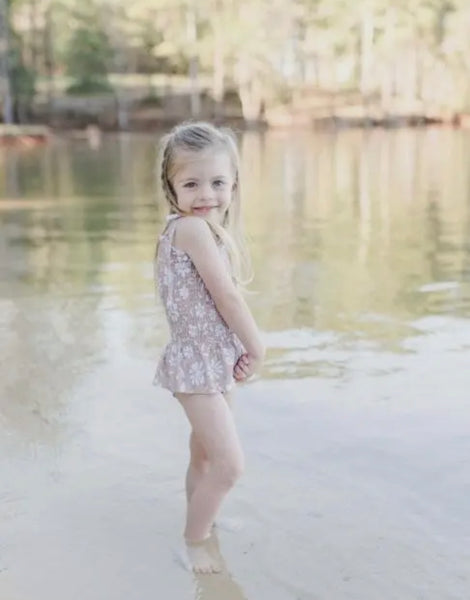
[(356, 432)]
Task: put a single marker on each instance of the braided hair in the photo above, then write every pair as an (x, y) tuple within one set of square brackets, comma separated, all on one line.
[(166, 184)]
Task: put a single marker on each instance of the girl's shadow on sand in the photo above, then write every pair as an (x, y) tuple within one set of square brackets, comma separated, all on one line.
[(218, 586)]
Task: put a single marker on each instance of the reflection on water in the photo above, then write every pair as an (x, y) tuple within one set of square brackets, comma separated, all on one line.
[(354, 236), (222, 585), (217, 587)]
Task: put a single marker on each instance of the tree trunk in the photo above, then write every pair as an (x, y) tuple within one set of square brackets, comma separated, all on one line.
[(49, 59), (366, 43), (387, 70), (119, 64), (6, 97), (251, 100), (33, 36), (218, 78), (191, 28)]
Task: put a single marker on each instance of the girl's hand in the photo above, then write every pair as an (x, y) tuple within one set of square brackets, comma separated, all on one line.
[(240, 370), (245, 367)]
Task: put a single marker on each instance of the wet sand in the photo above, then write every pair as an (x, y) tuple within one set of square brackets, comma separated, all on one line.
[(355, 488)]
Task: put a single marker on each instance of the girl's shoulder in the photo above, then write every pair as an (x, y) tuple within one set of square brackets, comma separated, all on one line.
[(169, 228), (170, 222), (192, 231), (188, 223)]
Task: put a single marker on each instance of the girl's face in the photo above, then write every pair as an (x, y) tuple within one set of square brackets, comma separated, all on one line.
[(203, 184)]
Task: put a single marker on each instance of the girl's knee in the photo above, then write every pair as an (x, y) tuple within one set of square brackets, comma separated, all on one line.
[(228, 471), (199, 463), (198, 456)]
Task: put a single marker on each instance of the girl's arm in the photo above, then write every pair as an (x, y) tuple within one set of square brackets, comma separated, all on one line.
[(195, 237)]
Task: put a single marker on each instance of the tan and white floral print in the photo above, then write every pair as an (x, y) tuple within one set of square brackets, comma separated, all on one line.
[(202, 351)]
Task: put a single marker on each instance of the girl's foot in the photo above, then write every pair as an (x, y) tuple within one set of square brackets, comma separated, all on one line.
[(200, 557)]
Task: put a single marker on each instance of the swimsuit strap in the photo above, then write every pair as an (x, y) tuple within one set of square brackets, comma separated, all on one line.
[(165, 241), (169, 232)]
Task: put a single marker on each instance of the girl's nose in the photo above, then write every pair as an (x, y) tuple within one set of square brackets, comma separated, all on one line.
[(206, 191)]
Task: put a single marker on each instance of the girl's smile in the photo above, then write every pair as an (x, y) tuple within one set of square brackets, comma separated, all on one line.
[(203, 210)]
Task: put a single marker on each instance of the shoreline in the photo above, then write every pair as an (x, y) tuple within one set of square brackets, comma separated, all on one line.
[(39, 133)]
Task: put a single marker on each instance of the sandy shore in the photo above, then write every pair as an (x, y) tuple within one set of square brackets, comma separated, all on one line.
[(356, 487)]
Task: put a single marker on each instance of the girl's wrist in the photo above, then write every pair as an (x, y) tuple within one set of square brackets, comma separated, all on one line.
[(257, 354)]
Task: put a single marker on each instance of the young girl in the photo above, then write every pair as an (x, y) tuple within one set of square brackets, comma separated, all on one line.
[(214, 338)]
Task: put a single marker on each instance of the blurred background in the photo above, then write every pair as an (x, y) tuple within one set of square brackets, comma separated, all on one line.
[(138, 64), (352, 124)]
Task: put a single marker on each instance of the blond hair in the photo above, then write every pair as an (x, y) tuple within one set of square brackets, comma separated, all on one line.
[(198, 137)]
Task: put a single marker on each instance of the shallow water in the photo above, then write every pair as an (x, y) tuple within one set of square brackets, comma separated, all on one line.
[(357, 431)]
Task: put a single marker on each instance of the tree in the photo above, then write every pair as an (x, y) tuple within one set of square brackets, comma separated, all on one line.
[(6, 96), (389, 53), (22, 82), (88, 51)]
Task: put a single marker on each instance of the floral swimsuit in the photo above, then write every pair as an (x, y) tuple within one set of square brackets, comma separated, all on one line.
[(202, 351)]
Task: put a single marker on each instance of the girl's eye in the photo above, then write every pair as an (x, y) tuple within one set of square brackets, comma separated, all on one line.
[(219, 182), (190, 184)]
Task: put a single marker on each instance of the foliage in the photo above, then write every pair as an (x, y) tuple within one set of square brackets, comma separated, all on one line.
[(88, 51), (22, 79), (265, 49)]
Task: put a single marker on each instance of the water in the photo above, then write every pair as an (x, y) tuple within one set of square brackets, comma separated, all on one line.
[(357, 431)]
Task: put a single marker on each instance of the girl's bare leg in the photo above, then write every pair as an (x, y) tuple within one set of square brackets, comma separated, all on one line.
[(214, 428), (198, 463)]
